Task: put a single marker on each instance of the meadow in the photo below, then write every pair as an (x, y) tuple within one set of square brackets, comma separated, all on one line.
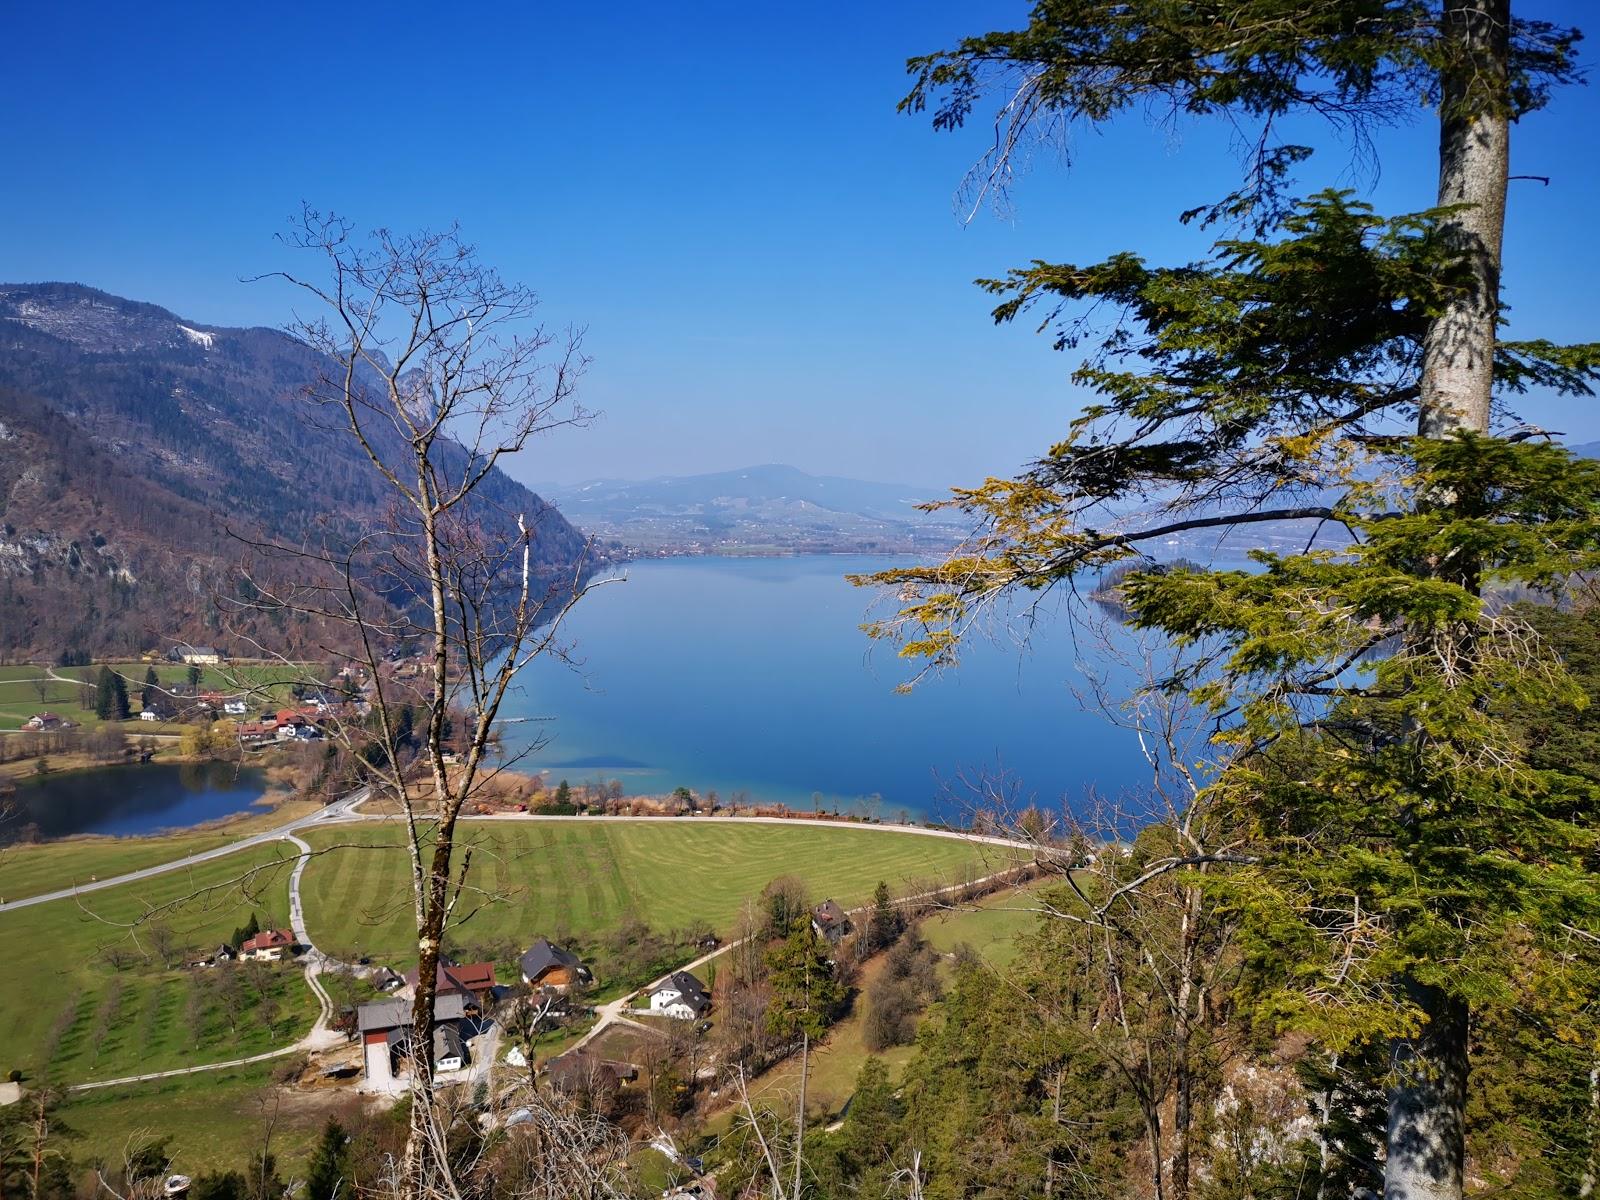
[(87, 996), (572, 880), (26, 690), (211, 1121)]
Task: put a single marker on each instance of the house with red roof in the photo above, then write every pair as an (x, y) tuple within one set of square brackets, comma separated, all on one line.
[(270, 945)]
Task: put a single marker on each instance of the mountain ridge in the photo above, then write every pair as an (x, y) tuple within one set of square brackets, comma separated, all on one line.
[(770, 507), (149, 451)]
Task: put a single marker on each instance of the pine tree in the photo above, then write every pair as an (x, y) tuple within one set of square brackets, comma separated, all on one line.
[(1276, 381), (328, 1173), (885, 924), (105, 694), (805, 996)]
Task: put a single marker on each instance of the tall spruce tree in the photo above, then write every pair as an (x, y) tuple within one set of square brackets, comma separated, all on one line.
[(1340, 369)]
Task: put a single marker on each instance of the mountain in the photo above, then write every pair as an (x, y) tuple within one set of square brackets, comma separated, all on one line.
[(1587, 450), (140, 452), (771, 509)]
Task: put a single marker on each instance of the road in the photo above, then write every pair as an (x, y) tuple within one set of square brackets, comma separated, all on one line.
[(322, 1035), (338, 810)]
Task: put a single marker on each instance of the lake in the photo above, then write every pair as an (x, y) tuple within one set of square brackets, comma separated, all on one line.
[(134, 799), (753, 675)]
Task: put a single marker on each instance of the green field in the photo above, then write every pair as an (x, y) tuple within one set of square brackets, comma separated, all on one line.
[(49, 866), (20, 698), (574, 879), (214, 1121), (990, 926), (85, 998)]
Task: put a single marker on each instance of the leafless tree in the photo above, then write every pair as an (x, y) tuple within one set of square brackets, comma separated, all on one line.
[(439, 372)]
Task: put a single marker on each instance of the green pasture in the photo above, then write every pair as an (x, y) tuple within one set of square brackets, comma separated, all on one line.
[(86, 996), (50, 866), (990, 926), (213, 1121), (575, 879)]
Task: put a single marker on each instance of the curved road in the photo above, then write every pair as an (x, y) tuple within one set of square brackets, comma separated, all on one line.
[(338, 810), (322, 1034)]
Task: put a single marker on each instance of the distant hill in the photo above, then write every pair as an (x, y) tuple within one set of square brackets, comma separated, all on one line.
[(134, 442), (1587, 450), (770, 508)]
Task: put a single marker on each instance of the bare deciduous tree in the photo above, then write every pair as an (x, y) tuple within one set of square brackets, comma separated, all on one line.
[(440, 372)]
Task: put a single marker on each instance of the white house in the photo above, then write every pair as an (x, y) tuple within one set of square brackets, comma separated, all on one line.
[(234, 708), (680, 995), (200, 656), (270, 945), (147, 715)]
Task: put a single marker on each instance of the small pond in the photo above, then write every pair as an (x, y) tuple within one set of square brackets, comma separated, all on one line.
[(132, 799)]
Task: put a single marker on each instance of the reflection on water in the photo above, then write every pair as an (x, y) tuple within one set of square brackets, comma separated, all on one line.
[(131, 799), (753, 675)]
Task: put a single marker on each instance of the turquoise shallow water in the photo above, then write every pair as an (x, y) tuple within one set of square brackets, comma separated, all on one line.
[(753, 675)]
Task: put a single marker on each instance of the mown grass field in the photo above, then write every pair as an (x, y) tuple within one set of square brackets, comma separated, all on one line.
[(574, 879), (28, 870), (49, 866), (86, 998)]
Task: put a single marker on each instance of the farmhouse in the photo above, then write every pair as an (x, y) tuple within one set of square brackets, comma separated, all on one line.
[(680, 995), (475, 981), (200, 656), (44, 720), (830, 921), (270, 945), (549, 965), (385, 1029)]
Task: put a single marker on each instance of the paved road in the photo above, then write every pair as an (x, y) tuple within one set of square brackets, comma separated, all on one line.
[(338, 810)]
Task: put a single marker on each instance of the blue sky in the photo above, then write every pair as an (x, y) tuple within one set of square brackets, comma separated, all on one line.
[(767, 258)]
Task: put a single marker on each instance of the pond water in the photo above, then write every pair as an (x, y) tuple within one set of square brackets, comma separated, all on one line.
[(133, 799), (753, 675)]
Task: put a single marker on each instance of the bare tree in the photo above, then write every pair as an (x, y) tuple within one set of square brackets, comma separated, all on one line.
[(439, 373)]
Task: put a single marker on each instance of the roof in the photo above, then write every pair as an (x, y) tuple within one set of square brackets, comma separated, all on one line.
[(268, 939), (687, 986), (828, 913), (577, 1069), (544, 955), (447, 1042), (383, 1015), (465, 977)]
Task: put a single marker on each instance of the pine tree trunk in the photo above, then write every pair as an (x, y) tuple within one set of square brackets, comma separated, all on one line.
[(1474, 162), (1426, 1149), (1427, 1102)]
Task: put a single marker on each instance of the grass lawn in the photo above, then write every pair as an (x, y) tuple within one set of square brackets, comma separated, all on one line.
[(575, 879), (214, 1121), (835, 1065), (85, 999), (29, 870), (990, 926)]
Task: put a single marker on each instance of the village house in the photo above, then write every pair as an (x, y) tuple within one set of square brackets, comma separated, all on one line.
[(199, 656), (545, 964), (475, 981), (234, 708), (385, 1030), (270, 945), (44, 720), (830, 921), (681, 996), (146, 714)]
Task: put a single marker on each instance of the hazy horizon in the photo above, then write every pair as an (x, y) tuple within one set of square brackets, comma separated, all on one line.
[(781, 278)]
